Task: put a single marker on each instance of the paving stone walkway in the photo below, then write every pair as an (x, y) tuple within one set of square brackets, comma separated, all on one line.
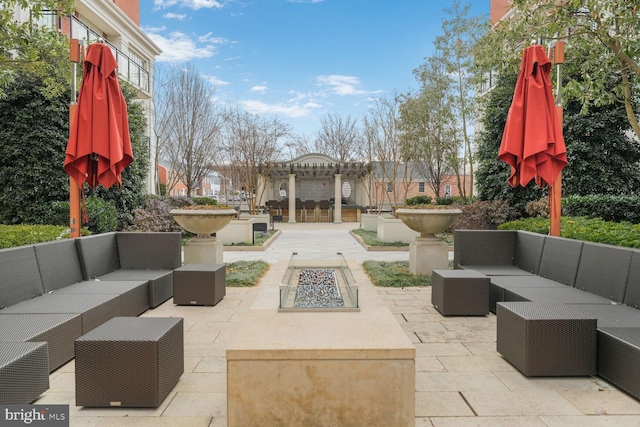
[(460, 378)]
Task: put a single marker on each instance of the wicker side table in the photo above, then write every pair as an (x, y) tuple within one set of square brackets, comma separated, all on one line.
[(129, 362), (24, 371), (199, 284), (546, 339), (460, 292)]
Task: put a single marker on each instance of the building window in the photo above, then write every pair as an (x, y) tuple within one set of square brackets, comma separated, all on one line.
[(421, 187), (389, 187), (447, 190)]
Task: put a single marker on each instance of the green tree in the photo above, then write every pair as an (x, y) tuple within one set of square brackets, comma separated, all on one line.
[(33, 135), (429, 133), (34, 130), (33, 45), (605, 33), (603, 158), (454, 48)]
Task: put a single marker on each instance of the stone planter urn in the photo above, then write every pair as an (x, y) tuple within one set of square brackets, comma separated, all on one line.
[(204, 248), (428, 252)]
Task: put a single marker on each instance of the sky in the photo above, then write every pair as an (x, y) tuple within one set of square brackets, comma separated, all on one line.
[(300, 59)]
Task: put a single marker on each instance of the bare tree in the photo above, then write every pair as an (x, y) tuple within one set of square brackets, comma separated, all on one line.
[(385, 153), (250, 144), (338, 137), (428, 124), (297, 145), (187, 125)]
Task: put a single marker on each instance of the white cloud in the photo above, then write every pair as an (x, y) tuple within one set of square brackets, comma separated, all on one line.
[(289, 109), (178, 16), (216, 81), (200, 4), (261, 89), (342, 85), (179, 47), (191, 4)]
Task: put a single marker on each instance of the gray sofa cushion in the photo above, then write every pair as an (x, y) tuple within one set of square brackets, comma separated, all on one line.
[(58, 263), (560, 259), (149, 251), (632, 294), (19, 276), (528, 251), (98, 255), (604, 270), (483, 247)]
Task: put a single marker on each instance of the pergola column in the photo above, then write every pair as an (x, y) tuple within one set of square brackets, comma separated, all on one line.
[(292, 197), (261, 191), (337, 205)]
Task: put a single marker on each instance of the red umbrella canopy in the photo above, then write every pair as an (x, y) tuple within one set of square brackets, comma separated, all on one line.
[(532, 143), (99, 146)]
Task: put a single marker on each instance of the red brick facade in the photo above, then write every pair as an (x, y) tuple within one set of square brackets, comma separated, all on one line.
[(131, 8), (498, 8)]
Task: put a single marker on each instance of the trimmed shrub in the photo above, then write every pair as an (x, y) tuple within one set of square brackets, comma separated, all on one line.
[(205, 201), (102, 214), (19, 235), (581, 228), (607, 207), (418, 200), (445, 201)]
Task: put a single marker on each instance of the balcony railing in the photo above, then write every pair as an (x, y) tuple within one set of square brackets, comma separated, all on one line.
[(130, 70)]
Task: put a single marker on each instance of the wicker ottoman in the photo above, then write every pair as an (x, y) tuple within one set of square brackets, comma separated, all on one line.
[(24, 371), (129, 362), (545, 339), (199, 284), (460, 292)]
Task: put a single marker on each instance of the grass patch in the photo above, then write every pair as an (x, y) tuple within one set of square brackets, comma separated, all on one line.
[(245, 273), (258, 240), (370, 238), (393, 274)]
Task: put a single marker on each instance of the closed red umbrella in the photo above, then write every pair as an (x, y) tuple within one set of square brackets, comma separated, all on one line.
[(99, 146), (532, 143)]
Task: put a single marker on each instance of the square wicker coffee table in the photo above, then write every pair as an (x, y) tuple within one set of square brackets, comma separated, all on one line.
[(547, 339), (129, 362), (199, 284), (460, 292)]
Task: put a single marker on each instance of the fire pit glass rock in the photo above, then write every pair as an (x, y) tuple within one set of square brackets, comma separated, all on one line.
[(316, 283)]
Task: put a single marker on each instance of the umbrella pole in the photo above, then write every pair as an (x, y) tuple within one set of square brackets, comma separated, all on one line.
[(555, 189), (74, 190)]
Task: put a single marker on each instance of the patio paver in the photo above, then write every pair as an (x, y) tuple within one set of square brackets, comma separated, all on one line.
[(461, 380)]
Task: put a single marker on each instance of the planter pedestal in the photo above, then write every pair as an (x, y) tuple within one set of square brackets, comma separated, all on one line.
[(204, 248), (427, 254), (203, 251)]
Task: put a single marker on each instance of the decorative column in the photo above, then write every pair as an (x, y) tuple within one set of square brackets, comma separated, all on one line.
[(261, 191), (292, 197), (337, 205)]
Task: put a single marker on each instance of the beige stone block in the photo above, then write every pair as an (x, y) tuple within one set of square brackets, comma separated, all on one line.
[(320, 392), (593, 421), (318, 368), (458, 381), (610, 402), (530, 421)]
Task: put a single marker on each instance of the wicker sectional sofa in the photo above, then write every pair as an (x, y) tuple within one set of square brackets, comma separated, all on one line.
[(602, 281), (55, 292)]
